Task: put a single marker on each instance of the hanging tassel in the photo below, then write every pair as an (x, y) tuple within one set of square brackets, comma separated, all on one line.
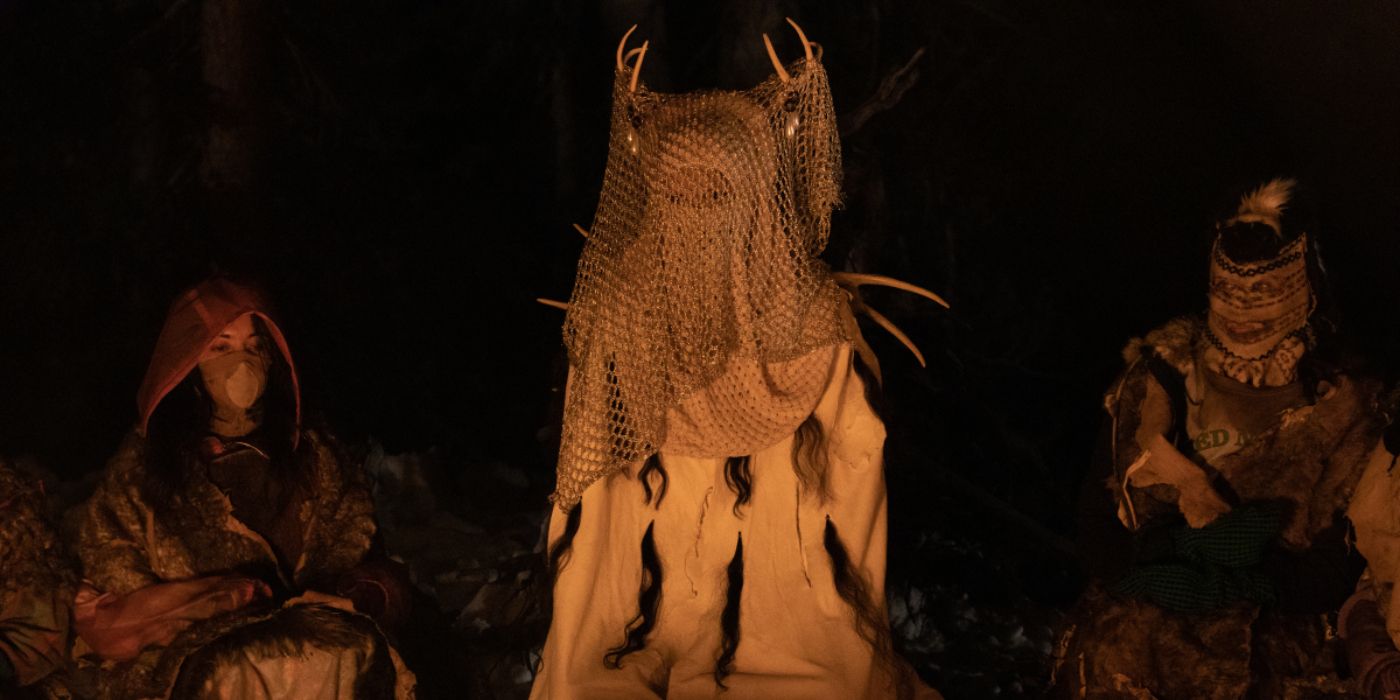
[(653, 466), (729, 618), (648, 605), (559, 553), (871, 622), (739, 477), (809, 458), (555, 560), (874, 393)]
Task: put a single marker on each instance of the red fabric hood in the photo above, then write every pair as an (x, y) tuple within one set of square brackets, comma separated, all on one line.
[(195, 320)]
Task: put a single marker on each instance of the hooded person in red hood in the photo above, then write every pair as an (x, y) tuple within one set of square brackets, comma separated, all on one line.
[(230, 551)]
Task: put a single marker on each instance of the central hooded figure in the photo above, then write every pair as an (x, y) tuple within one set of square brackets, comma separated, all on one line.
[(719, 521), (229, 552)]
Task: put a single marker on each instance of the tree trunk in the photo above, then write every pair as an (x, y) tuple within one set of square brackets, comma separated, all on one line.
[(233, 36)]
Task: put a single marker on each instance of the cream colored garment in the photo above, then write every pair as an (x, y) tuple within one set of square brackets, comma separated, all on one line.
[(798, 638), (318, 673), (1375, 514)]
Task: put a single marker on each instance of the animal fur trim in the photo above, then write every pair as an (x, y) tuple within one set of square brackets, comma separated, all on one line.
[(1174, 342), (1266, 204)]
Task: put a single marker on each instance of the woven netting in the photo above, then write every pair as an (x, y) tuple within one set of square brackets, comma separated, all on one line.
[(699, 292)]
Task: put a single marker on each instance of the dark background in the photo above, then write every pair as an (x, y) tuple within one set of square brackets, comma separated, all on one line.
[(401, 175)]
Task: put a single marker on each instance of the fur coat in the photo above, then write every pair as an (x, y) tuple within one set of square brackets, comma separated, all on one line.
[(1303, 458), (125, 545)]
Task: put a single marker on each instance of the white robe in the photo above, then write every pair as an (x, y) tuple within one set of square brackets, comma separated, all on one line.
[(797, 637)]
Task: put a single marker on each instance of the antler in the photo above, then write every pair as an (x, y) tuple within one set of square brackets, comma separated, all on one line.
[(852, 281), (556, 304), (773, 55), (637, 69), (806, 45), (623, 44), (888, 325), (582, 231), (872, 361), (622, 59)]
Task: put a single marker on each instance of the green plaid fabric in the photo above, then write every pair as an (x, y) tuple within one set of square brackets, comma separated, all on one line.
[(1211, 567)]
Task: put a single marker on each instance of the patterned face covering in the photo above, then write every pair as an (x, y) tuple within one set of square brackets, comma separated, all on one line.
[(1258, 319), (699, 289)]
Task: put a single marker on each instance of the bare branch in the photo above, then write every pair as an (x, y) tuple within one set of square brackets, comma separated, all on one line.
[(890, 92), (159, 25)]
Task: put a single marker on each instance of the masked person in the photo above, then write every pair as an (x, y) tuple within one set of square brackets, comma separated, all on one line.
[(719, 521), (1234, 442), (230, 551), (36, 589)]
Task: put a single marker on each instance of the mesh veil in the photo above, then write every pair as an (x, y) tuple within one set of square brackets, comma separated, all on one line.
[(701, 319)]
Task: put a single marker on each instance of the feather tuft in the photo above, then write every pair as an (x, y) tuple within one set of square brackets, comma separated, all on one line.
[(1266, 204)]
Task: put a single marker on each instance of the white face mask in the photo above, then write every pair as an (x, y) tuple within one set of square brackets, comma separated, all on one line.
[(235, 380), (244, 386)]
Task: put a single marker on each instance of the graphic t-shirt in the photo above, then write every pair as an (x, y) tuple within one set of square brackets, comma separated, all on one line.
[(1223, 415)]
